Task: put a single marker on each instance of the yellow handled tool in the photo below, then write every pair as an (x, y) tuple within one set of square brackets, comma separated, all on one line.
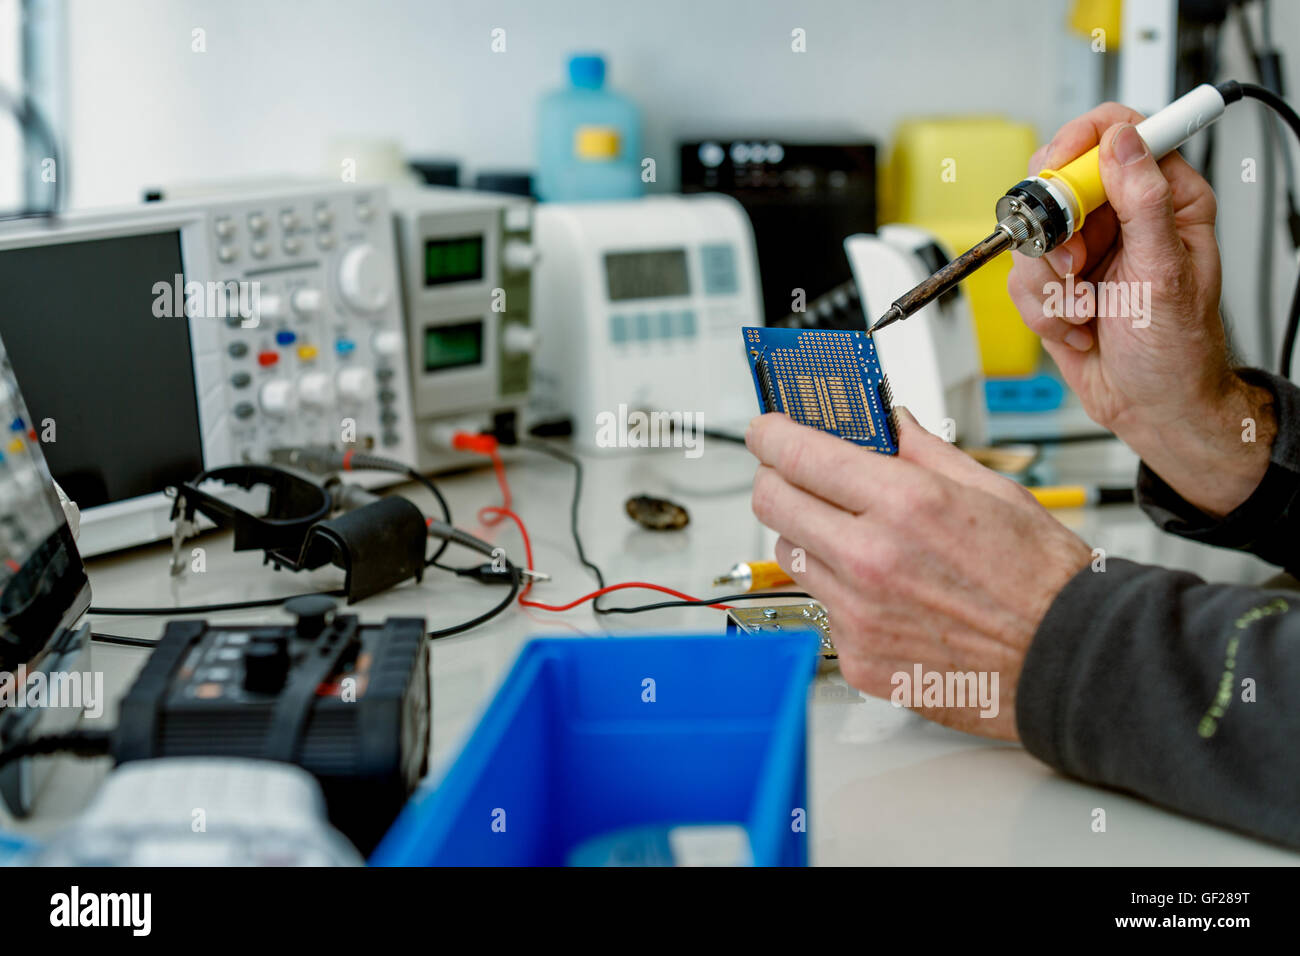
[(753, 576), (1079, 496), (1041, 212)]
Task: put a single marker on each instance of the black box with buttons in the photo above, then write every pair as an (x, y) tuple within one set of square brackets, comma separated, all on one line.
[(347, 702)]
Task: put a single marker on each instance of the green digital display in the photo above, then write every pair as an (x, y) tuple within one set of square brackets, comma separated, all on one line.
[(652, 274), (453, 346), (456, 259)]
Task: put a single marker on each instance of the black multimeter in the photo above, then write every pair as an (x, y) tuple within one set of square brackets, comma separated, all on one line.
[(347, 702)]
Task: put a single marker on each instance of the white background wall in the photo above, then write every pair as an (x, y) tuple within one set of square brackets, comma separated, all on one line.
[(11, 192), (280, 78)]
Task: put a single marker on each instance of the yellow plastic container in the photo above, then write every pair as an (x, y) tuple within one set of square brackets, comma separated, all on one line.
[(1089, 16), (946, 175)]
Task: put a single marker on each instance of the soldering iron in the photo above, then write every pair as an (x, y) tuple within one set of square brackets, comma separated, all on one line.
[(1039, 213)]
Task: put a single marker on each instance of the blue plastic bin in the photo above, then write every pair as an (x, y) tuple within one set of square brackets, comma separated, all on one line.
[(571, 749)]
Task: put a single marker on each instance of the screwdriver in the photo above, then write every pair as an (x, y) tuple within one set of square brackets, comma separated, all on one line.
[(753, 576), (1080, 496), (1039, 213)]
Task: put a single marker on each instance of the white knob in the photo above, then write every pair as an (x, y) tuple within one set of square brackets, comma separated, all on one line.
[(307, 302), (270, 306), (518, 255), (518, 339), (316, 390), (387, 342), (363, 279), (278, 397), (356, 384)]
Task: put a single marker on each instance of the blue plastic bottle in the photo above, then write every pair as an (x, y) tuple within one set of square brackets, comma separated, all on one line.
[(589, 143)]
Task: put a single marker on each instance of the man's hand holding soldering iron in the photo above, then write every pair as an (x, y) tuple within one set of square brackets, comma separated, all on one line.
[(1128, 675)]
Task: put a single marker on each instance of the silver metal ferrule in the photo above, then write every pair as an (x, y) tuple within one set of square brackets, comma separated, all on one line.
[(1019, 223)]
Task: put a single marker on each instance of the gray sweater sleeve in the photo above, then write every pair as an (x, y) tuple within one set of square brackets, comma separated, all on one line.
[(1186, 693), (1183, 692), (1268, 522)]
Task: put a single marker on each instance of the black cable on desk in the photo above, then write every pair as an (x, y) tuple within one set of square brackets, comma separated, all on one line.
[(575, 504), (706, 602), (600, 578), (83, 743), (442, 504), (208, 608), (486, 616), (122, 640)]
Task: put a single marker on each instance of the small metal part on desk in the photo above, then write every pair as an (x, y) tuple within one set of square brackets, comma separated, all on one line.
[(809, 616), (657, 514)]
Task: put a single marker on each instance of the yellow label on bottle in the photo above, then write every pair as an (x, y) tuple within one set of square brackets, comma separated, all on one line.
[(596, 142)]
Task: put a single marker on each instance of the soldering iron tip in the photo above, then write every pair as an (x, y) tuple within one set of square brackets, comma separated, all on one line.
[(889, 318)]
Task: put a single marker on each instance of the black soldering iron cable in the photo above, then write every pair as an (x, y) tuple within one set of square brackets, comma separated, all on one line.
[(1273, 142), (1231, 92)]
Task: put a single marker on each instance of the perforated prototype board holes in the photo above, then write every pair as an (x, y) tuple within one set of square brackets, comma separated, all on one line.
[(826, 379)]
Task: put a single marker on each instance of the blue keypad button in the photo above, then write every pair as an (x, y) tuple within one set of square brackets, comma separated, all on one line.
[(285, 337), (718, 264)]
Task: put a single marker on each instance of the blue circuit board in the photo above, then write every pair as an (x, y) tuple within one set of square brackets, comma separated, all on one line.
[(826, 379)]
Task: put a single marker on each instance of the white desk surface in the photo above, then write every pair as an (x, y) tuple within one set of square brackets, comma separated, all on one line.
[(886, 787)]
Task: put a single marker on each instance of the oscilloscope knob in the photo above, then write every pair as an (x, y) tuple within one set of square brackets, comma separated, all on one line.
[(278, 397), (271, 307), (307, 302), (363, 280), (518, 339), (387, 342), (518, 255), (316, 390), (356, 384)]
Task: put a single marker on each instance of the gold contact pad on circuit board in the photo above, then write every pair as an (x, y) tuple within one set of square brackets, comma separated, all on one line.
[(823, 398)]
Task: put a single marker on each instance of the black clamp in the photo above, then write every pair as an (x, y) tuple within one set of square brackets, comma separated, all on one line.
[(378, 545)]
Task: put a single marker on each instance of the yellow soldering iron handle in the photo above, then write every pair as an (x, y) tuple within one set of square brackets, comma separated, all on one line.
[(1163, 132), (1082, 177)]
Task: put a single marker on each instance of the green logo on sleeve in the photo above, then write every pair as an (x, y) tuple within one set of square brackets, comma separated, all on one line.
[(1223, 697)]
